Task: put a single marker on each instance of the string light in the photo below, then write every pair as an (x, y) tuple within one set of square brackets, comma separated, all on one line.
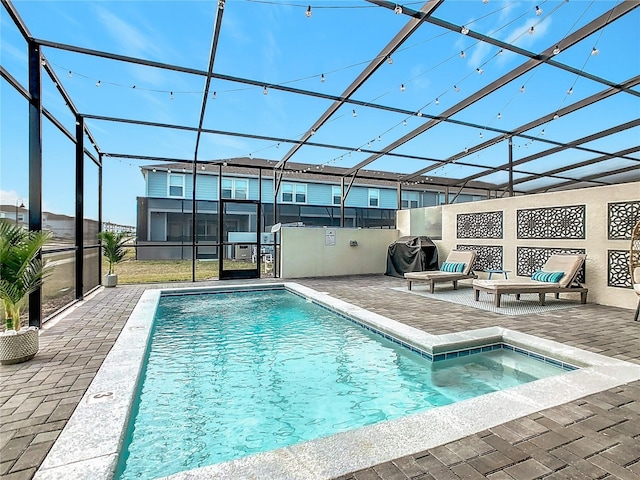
[(456, 88), (389, 60), (499, 116), (322, 79), (215, 95), (570, 91), (542, 133), (379, 138), (538, 10), (480, 134), (419, 113), (464, 30), (462, 54), (531, 30), (404, 123), (313, 132), (98, 83), (556, 116), (522, 89), (556, 50), (402, 89), (437, 101), (480, 71), (70, 74), (485, 1), (398, 10), (501, 51), (171, 95), (43, 62), (265, 91), (308, 12), (595, 51), (354, 113)]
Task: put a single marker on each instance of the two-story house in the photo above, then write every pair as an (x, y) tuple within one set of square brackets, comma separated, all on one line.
[(164, 215)]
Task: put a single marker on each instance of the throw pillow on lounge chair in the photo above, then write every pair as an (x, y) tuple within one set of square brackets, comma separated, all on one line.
[(452, 267), (551, 277)]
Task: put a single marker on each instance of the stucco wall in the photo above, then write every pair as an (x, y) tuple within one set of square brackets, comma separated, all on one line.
[(596, 242), (305, 252)]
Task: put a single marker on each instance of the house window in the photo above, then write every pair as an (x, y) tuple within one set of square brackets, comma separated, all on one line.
[(176, 185), (294, 193), (410, 199), (374, 197), (336, 193), (235, 188)]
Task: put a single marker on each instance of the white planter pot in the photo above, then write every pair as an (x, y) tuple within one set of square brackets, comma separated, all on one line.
[(19, 346), (110, 280)]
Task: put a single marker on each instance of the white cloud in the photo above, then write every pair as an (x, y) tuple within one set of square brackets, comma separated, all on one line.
[(9, 197)]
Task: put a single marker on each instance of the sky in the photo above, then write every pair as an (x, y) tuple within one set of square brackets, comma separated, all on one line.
[(275, 43)]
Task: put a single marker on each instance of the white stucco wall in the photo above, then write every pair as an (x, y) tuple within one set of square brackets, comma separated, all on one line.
[(305, 252), (596, 243)]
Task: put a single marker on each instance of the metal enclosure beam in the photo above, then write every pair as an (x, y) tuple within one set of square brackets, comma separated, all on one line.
[(35, 166), (79, 207)]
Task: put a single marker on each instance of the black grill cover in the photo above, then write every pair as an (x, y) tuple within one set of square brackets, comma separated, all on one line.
[(411, 254)]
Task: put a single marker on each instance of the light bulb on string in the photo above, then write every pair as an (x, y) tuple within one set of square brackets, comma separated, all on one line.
[(389, 60), (499, 116), (538, 10), (595, 51), (456, 88), (308, 12), (532, 30), (480, 134), (437, 101), (556, 116), (70, 74), (171, 95), (556, 50), (542, 133), (522, 89), (322, 79), (398, 10), (402, 89), (215, 95), (464, 30), (354, 113), (462, 54), (265, 91), (43, 62), (404, 123), (570, 91), (419, 113), (480, 71), (98, 83)]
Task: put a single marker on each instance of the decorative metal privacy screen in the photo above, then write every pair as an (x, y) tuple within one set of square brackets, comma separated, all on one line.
[(479, 225), (618, 269), (530, 259), (553, 222), (489, 256), (621, 219)]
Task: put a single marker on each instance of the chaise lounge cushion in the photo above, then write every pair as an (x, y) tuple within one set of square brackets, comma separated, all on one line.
[(542, 276)]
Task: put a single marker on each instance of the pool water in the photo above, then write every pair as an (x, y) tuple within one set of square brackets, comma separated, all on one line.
[(231, 374)]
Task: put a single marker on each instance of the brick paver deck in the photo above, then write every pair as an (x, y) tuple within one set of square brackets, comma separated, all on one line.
[(597, 437)]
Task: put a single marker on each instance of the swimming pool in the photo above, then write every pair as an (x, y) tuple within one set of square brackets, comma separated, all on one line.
[(255, 371), (90, 444)]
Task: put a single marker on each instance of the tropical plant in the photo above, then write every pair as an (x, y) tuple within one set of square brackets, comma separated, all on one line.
[(113, 247), (21, 268)]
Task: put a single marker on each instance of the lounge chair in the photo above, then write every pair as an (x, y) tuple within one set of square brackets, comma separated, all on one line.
[(457, 266), (565, 267)]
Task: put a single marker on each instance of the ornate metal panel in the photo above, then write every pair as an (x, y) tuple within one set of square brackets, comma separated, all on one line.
[(479, 225), (530, 259), (489, 256), (621, 219), (552, 222), (618, 269)]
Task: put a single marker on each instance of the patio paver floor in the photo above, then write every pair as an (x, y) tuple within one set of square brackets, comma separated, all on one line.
[(595, 437)]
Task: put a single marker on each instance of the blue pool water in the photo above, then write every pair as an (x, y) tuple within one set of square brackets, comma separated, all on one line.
[(231, 374)]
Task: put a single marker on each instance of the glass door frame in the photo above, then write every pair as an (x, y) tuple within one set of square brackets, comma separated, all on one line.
[(230, 274)]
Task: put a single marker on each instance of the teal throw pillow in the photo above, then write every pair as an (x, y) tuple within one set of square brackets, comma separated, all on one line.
[(452, 267), (550, 277)]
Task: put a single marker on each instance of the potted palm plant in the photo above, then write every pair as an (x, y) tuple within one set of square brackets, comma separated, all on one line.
[(21, 273), (114, 250)]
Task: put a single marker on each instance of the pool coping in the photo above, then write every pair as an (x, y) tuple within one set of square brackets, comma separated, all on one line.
[(89, 444)]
